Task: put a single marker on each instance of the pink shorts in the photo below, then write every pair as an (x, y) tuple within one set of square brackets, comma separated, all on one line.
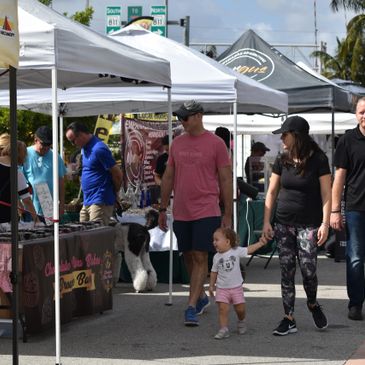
[(231, 295)]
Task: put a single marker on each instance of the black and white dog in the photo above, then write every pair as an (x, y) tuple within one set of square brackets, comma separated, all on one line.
[(133, 239)]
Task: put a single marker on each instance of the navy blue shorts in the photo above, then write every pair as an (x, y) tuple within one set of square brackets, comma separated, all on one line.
[(196, 235)]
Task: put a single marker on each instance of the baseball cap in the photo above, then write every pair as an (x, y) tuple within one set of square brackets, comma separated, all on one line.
[(187, 109), (259, 146), (44, 133), (293, 124)]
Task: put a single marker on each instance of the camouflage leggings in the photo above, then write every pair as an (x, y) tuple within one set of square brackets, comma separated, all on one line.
[(298, 242)]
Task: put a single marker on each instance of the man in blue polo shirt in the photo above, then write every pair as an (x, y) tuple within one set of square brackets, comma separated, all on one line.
[(101, 177)]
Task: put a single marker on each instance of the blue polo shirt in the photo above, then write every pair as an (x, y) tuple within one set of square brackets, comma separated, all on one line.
[(96, 179)]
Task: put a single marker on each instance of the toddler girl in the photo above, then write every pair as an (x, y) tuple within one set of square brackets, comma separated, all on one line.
[(226, 276)]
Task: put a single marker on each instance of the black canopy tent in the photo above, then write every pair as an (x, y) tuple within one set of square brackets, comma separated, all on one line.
[(253, 57)]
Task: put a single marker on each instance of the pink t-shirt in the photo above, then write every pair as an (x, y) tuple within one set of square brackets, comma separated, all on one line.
[(196, 160)]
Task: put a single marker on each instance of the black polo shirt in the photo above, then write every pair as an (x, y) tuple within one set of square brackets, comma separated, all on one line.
[(350, 155)]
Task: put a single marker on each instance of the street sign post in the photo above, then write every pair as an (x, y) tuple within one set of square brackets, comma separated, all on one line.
[(159, 20), (134, 12), (113, 18)]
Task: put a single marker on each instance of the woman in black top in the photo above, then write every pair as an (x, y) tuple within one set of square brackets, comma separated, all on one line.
[(300, 187)]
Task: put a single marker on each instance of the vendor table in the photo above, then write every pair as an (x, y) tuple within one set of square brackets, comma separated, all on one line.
[(86, 276)]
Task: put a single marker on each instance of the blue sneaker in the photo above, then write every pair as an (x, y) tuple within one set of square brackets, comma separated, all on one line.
[(190, 317), (202, 304)]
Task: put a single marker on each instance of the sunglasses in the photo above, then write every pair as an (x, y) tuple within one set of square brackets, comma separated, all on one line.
[(183, 119), (44, 144)]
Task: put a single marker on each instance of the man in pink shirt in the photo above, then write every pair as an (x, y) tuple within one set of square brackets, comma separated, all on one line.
[(199, 172)]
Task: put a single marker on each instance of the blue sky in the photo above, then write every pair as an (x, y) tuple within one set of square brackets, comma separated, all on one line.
[(223, 21)]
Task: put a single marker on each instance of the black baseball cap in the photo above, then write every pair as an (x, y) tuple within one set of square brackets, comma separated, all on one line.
[(293, 124), (44, 133), (187, 109), (259, 146)]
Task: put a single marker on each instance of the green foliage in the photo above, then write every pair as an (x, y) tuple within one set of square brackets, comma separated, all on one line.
[(72, 188), (84, 17), (46, 2), (348, 61), (28, 122), (355, 5)]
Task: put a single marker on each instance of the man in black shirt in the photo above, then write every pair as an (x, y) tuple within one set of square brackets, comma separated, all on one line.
[(350, 172)]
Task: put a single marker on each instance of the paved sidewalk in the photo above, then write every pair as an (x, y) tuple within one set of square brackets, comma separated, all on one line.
[(141, 329)]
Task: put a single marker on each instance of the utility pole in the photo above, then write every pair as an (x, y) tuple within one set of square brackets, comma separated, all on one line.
[(315, 35), (167, 17)]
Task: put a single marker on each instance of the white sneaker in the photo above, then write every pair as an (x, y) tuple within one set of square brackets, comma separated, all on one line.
[(241, 327), (222, 333)]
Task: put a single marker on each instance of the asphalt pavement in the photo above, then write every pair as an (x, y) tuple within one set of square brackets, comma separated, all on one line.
[(141, 329)]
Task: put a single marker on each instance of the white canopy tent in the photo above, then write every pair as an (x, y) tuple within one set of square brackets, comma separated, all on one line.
[(217, 87), (320, 123), (194, 76), (57, 52)]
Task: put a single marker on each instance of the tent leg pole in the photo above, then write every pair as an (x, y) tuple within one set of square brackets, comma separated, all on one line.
[(235, 166), (14, 212), (56, 216), (171, 255)]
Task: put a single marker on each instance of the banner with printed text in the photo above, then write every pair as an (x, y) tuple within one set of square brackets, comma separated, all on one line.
[(9, 35), (141, 140)]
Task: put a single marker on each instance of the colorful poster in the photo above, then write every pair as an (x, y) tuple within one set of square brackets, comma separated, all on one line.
[(141, 142), (9, 36), (102, 129)]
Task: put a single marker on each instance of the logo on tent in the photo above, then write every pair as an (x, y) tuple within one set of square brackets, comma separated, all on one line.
[(6, 27), (250, 62)]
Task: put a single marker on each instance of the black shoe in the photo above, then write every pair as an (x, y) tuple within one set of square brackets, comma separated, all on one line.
[(319, 319), (355, 314), (285, 327)]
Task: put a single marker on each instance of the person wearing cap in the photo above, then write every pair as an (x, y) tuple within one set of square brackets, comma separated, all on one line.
[(349, 179), (101, 177), (197, 170), (254, 166), (38, 167), (300, 187)]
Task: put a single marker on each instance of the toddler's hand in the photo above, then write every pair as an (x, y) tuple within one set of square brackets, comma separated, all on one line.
[(263, 240)]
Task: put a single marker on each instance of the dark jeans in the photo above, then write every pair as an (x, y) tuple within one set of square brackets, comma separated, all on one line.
[(355, 250)]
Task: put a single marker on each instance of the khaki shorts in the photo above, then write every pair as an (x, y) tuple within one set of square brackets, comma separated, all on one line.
[(96, 212)]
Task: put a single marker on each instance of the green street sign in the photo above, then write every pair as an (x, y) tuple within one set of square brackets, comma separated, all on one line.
[(159, 20), (134, 12), (113, 18)]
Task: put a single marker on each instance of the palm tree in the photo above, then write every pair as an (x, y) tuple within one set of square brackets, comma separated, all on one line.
[(355, 5), (348, 61), (336, 66)]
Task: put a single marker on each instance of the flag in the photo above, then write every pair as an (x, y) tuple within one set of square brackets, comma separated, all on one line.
[(9, 35)]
